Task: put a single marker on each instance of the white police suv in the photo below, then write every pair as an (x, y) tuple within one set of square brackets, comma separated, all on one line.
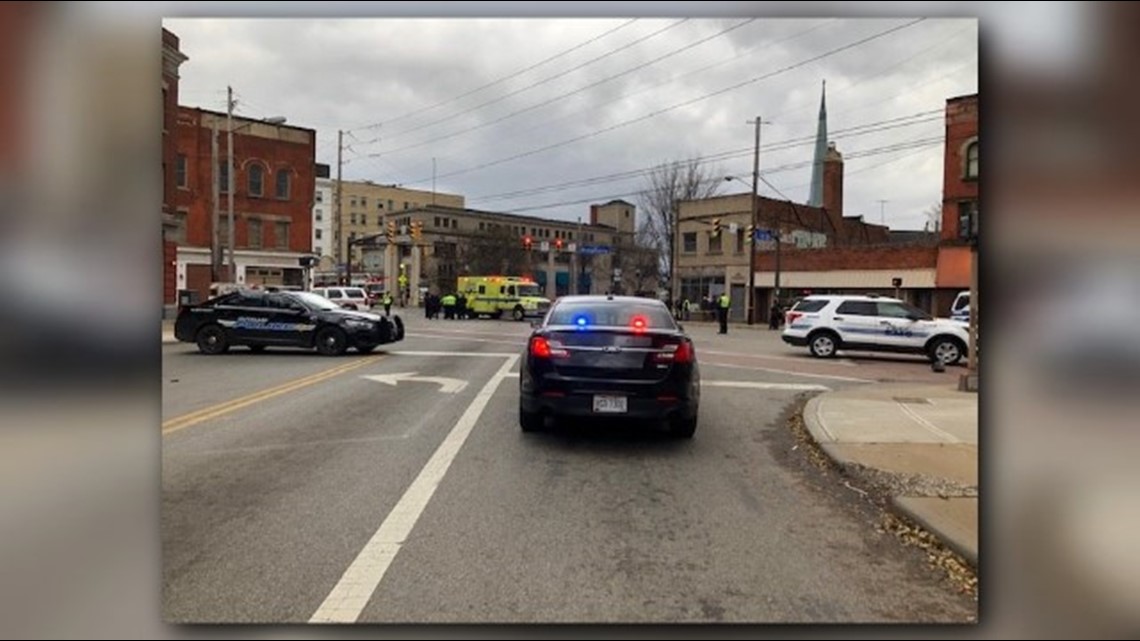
[(827, 324)]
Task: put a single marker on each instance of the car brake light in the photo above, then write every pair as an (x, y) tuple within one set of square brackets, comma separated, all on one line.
[(541, 348), (638, 323), (676, 353), (792, 316)]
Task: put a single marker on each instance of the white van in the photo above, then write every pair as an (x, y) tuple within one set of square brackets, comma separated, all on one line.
[(960, 308)]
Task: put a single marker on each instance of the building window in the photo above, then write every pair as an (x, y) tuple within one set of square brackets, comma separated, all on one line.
[(224, 232), (968, 220), (353, 201), (437, 221), (317, 250), (283, 184), (364, 219), (320, 196), (363, 201), (317, 233), (178, 235), (627, 213), (482, 226), (255, 180), (379, 205), (690, 242), (352, 218), (715, 243), (254, 229), (972, 161), (405, 204), (391, 206), (740, 241), (223, 177), (319, 215), (282, 235), (180, 171)]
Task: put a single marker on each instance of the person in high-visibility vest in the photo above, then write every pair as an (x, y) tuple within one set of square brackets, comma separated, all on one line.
[(449, 306), (686, 306), (387, 303), (723, 302)]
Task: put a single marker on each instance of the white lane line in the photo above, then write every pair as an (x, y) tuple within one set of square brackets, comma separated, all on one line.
[(755, 385), (352, 593), (934, 429), (512, 374), (487, 354), (520, 343), (835, 361), (788, 372)]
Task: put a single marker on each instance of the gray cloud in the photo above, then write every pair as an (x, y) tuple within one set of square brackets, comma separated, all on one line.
[(334, 74)]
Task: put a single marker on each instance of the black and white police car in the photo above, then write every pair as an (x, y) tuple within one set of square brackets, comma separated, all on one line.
[(827, 324), (259, 319)]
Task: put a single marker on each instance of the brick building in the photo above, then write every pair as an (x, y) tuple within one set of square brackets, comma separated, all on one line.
[(172, 59), (959, 193), (274, 190)]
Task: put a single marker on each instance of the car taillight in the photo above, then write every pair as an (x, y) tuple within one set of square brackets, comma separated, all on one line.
[(541, 348), (792, 316), (675, 353)]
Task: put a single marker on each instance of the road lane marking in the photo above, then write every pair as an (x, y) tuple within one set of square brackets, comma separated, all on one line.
[(788, 372), (220, 409), (358, 583), (446, 385), (756, 385)]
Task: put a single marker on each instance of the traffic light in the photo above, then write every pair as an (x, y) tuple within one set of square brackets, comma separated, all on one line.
[(528, 243), (558, 244), (417, 231), (716, 227), (391, 233), (749, 233)]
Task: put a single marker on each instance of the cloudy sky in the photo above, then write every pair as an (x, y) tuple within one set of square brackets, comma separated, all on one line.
[(545, 116)]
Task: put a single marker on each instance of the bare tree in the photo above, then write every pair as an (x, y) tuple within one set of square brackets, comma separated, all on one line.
[(667, 185), (933, 218), (494, 251)]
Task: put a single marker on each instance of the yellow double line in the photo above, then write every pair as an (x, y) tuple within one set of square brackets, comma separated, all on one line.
[(214, 411)]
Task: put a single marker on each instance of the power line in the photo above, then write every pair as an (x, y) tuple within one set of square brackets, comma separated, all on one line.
[(856, 130), (543, 80), (570, 93), (654, 114), (504, 78)]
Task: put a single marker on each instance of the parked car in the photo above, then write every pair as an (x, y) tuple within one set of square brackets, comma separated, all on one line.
[(960, 308), (260, 319), (346, 297), (595, 356), (827, 324)]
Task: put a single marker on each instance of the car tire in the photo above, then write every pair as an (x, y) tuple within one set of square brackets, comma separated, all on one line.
[(331, 341), (683, 427), (399, 324), (946, 349), (518, 314), (530, 421), (823, 344), (211, 340), (257, 349)]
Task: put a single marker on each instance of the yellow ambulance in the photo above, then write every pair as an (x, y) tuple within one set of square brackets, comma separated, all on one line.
[(495, 295)]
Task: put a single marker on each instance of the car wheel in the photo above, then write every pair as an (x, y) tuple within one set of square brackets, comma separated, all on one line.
[(257, 349), (518, 314), (399, 329), (824, 345), (331, 341), (683, 427), (530, 421), (946, 350), (211, 339), (365, 349)]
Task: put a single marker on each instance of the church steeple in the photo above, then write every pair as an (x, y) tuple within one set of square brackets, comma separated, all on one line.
[(815, 198)]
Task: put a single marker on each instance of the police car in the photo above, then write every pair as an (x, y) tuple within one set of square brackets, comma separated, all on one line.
[(260, 319), (827, 324)]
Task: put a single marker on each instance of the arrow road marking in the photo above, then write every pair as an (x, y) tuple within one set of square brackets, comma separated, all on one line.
[(446, 385)]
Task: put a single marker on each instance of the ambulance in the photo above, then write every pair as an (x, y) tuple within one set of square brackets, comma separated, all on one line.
[(495, 295)]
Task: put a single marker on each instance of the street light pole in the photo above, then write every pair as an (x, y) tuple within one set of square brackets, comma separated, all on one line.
[(750, 299), (230, 179)]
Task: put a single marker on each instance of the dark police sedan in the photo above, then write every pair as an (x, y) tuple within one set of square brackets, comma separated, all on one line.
[(615, 356), (288, 319)]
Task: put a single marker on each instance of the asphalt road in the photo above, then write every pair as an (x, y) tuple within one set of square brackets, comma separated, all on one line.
[(295, 489)]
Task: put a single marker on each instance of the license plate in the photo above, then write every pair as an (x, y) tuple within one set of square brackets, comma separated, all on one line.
[(610, 404)]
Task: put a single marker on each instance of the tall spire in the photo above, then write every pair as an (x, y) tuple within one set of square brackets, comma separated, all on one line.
[(815, 199)]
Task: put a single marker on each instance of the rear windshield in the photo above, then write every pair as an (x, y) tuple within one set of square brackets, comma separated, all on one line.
[(810, 306), (611, 314)]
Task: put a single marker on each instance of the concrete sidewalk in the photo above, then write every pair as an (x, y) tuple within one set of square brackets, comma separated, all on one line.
[(918, 441)]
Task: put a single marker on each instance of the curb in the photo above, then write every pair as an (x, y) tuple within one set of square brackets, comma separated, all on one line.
[(962, 549), (818, 434)]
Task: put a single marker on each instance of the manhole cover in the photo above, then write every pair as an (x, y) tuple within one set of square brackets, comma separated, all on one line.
[(912, 400)]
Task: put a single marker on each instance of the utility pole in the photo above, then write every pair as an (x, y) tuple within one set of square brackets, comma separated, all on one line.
[(882, 210), (338, 215), (215, 197), (433, 181), (230, 179), (749, 299)]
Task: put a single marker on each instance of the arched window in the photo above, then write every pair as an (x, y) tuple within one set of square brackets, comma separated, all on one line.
[(256, 180), (283, 184)]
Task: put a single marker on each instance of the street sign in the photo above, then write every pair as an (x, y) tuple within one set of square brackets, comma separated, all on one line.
[(572, 247), (594, 249), (732, 227), (762, 234), (545, 246)]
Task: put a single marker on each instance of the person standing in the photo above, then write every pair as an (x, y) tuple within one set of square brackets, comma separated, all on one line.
[(723, 303), (387, 303)]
